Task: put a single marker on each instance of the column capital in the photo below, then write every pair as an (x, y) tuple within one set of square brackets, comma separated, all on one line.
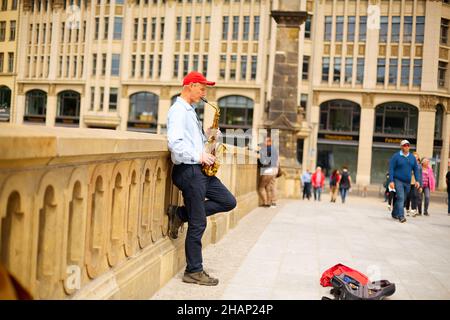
[(289, 19), (368, 100), (428, 103)]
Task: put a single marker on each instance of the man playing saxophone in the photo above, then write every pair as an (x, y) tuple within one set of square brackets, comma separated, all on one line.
[(186, 141)]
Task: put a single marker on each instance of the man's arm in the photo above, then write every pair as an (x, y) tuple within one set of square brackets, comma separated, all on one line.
[(391, 168), (416, 172), (175, 135)]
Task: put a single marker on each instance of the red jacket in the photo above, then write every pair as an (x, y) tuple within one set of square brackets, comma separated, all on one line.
[(318, 180)]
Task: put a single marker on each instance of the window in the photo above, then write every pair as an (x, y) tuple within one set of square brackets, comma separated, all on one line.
[(235, 34), (325, 68), (444, 31), (103, 64), (395, 118), (68, 104), (305, 68), (150, 66), (159, 65), (105, 31), (14, 5), (153, 30), (4, 5), (246, 27), (362, 28), (236, 112), (113, 93), (142, 66), (91, 107), (243, 67), (176, 62), (178, 36), (75, 65), (328, 27), (136, 29), (223, 61), (195, 62), (67, 65), (144, 28), (188, 28), (339, 116), (348, 70), (303, 101), (2, 57), (395, 32), (225, 21), (115, 64), (420, 28), (308, 27), (417, 74), (405, 72), (439, 122), (2, 30), (339, 28), (117, 28), (143, 111), (161, 31), (94, 64), (97, 29), (393, 66), (442, 71), (381, 70), (205, 65), (359, 70), (337, 70), (351, 28), (185, 64), (256, 28), (254, 65), (407, 29), (384, 23), (36, 103), (233, 67), (102, 97), (12, 31)]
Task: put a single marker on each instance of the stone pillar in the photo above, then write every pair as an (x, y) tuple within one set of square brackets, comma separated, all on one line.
[(445, 150), (169, 42), (425, 130), (20, 105), (372, 34), (214, 41), (430, 47), (124, 108), (315, 119), (365, 140), (163, 107), (51, 106)]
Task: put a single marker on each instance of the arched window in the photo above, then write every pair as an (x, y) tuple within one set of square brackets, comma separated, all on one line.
[(396, 119), (143, 112), (68, 107), (236, 112), (35, 106), (199, 107), (340, 116), (5, 103)]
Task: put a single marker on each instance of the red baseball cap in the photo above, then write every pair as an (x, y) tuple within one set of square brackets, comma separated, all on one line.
[(196, 77)]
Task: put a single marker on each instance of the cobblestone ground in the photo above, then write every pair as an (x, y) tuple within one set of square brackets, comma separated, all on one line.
[(281, 253)]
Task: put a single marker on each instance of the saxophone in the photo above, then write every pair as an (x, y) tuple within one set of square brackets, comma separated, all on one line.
[(213, 146)]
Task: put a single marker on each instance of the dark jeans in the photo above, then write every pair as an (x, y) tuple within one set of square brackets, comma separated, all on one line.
[(195, 187), (307, 190), (317, 193), (425, 198), (402, 189), (343, 192), (412, 198), (448, 201)]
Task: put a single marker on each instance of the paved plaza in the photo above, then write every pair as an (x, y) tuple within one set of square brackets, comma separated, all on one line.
[(281, 253)]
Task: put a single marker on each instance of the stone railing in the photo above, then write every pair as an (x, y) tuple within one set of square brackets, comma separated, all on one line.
[(82, 211)]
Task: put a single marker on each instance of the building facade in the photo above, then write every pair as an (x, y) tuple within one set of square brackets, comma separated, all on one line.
[(371, 73), (9, 18)]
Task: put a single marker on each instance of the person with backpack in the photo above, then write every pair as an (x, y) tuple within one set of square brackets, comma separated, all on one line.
[(334, 184), (318, 182), (345, 184)]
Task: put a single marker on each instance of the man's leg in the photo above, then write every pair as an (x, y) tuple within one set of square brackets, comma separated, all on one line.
[(273, 190), (219, 197), (427, 200), (262, 191)]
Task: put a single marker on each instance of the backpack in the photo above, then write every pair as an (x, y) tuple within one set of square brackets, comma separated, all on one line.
[(345, 181), (333, 180)]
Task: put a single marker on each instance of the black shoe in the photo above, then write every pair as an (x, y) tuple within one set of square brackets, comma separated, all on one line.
[(426, 214), (402, 219), (175, 221)]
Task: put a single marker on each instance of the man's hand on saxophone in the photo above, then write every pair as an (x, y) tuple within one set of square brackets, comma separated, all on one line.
[(207, 158)]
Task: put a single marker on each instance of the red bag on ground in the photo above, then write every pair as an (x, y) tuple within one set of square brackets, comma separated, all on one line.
[(339, 269)]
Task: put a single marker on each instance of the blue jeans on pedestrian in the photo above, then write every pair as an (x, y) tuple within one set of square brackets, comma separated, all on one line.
[(344, 192), (317, 193), (402, 189)]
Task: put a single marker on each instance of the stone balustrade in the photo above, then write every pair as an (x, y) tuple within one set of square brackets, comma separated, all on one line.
[(83, 211)]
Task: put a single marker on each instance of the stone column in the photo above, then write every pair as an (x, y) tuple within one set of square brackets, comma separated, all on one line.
[(430, 45), (445, 150), (124, 108), (365, 140), (20, 105), (214, 41), (425, 130), (51, 106), (169, 42), (372, 34), (315, 119)]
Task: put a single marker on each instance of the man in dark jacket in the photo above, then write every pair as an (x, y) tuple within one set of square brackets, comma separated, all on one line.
[(400, 167)]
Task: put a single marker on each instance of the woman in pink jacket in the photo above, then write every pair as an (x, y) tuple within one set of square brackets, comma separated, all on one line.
[(428, 185), (318, 181)]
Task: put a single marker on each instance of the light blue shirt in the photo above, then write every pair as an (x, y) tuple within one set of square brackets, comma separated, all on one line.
[(184, 132), (306, 177)]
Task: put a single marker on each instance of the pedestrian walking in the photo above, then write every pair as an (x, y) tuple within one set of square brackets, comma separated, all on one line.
[(306, 184), (345, 184), (428, 186), (318, 182), (401, 165), (334, 184), (268, 172), (412, 198)]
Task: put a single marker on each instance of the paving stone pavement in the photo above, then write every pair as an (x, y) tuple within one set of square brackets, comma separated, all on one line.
[(281, 253)]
